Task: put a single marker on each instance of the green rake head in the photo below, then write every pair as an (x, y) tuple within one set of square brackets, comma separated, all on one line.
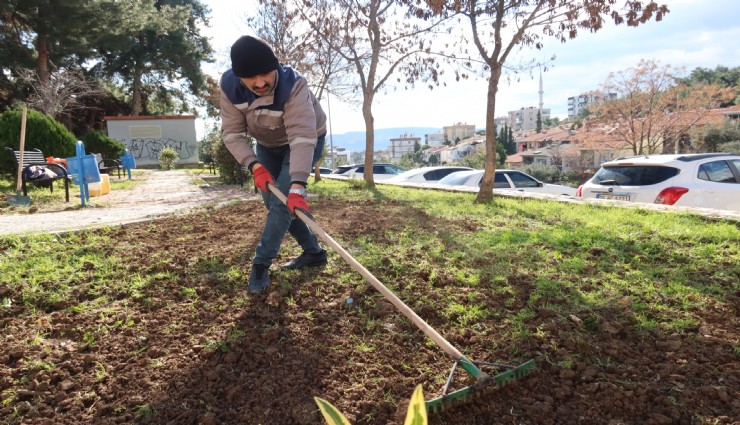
[(484, 383)]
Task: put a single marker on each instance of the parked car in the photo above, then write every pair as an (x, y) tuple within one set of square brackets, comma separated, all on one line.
[(425, 174), (342, 170), (381, 171), (506, 180), (710, 180), (324, 170)]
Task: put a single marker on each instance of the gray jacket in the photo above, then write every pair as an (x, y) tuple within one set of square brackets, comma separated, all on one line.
[(290, 116)]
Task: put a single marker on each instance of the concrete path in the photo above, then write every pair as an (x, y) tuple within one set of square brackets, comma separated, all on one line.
[(162, 193)]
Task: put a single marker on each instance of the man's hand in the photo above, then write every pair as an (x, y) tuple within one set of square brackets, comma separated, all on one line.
[(261, 177), (297, 201)]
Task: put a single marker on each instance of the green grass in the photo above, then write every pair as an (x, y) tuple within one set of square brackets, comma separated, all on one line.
[(505, 258), (44, 200), (662, 268)]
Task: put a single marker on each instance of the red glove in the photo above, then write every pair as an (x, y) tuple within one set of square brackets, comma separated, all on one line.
[(297, 201), (262, 177)]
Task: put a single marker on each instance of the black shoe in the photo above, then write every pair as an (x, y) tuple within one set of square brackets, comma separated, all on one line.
[(259, 279), (306, 260)]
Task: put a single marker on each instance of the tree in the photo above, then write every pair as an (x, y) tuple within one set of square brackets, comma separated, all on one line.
[(654, 111), (721, 138), (720, 75), (505, 138), (43, 32), (61, 94), (157, 51), (500, 26), (301, 48), (378, 39), (551, 122), (538, 129)]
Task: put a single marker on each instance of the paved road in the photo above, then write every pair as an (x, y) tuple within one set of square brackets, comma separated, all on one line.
[(162, 193)]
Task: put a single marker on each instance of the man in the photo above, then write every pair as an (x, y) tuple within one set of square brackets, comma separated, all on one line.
[(273, 103)]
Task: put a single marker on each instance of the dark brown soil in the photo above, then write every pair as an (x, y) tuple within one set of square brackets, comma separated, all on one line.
[(196, 349)]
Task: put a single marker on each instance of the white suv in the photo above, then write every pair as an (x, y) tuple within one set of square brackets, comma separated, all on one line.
[(709, 180)]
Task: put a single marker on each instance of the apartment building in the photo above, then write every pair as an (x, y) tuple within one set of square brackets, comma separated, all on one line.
[(588, 99), (399, 146), (458, 131), (526, 118)]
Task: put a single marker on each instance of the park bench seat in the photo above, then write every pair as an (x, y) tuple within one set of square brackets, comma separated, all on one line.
[(36, 157), (107, 165)]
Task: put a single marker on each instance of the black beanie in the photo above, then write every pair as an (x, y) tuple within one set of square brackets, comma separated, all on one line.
[(252, 56)]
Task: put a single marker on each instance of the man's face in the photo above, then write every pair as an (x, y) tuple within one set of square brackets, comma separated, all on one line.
[(262, 84)]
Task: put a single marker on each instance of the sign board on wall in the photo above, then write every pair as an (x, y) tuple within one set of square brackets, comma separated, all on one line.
[(145, 136)]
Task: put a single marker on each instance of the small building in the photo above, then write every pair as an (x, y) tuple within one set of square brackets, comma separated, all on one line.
[(146, 136), (400, 146), (466, 147), (437, 156), (338, 156), (458, 131), (500, 122), (434, 140), (532, 139)]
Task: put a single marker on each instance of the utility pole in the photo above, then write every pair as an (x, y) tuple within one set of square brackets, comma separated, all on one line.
[(331, 138)]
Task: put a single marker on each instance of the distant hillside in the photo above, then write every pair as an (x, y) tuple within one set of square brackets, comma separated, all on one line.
[(355, 140)]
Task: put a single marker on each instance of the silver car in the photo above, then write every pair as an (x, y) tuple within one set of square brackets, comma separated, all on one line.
[(507, 180), (426, 174)]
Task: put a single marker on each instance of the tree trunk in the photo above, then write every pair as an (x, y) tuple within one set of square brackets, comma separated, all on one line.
[(367, 114), (42, 62), (316, 173), (486, 187), (136, 91)]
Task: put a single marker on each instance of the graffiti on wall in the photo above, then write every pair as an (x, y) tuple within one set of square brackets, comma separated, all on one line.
[(148, 149)]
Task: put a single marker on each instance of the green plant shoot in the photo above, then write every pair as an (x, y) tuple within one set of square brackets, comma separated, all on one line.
[(332, 416)]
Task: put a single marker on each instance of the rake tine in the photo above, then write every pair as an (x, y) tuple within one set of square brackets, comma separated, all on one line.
[(449, 379), (496, 365)]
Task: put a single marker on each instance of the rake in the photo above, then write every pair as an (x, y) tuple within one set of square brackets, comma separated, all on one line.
[(483, 382), (18, 199)]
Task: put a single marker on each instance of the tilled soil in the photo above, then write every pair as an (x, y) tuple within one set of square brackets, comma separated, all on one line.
[(196, 349)]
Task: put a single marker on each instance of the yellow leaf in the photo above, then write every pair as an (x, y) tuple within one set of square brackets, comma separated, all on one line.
[(332, 416), (417, 413)]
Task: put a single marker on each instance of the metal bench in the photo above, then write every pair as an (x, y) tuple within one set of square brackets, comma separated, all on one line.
[(112, 164), (36, 157)]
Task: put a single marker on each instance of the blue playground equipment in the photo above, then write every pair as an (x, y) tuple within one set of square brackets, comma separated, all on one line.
[(128, 162), (84, 170)]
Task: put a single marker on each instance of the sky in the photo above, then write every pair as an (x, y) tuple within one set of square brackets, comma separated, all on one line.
[(695, 33)]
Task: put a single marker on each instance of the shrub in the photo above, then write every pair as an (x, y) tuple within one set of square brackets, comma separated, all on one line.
[(168, 157), (98, 142), (42, 132), (571, 178), (729, 147), (544, 173), (229, 169)]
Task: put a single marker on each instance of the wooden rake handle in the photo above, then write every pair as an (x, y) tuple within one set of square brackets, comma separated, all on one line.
[(387, 293), (22, 148)]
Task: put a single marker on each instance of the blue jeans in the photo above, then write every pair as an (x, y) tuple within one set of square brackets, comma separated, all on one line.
[(279, 220)]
